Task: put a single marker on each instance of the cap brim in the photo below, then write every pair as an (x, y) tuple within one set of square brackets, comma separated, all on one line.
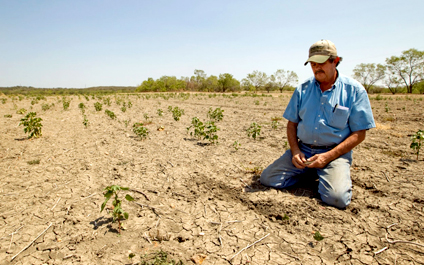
[(318, 59)]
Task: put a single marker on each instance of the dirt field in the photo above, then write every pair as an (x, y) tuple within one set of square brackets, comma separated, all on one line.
[(201, 201)]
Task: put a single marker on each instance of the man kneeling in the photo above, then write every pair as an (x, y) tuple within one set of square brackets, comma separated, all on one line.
[(328, 116)]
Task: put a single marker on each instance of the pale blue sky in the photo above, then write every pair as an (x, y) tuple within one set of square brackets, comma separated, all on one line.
[(82, 43)]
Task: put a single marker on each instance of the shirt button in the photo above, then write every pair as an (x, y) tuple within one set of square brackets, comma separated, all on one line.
[(322, 103), (315, 141), (319, 115), (316, 128)]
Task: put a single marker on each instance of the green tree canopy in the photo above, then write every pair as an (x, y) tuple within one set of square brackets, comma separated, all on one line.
[(284, 79), (257, 79), (369, 74), (409, 67), (228, 82)]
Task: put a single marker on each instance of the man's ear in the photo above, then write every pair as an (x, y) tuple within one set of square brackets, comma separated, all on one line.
[(337, 60)]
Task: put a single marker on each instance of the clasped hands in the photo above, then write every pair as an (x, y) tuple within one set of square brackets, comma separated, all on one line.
[(317, 161)]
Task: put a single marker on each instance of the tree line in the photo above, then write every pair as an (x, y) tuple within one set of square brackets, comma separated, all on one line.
[(398, 74), (256, 81)]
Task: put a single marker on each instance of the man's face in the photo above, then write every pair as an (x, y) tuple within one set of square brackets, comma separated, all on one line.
[(324, 72)]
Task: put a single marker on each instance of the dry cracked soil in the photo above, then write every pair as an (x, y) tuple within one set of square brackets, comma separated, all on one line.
[(200, 203)]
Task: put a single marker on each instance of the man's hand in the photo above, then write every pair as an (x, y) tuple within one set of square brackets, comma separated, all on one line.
[(318, 161), (298, 159)]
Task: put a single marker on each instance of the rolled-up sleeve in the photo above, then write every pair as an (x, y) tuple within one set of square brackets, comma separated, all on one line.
[(292, 111), (361, 117)]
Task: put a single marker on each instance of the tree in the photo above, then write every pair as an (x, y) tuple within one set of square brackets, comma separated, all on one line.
[(409, 67), (227, 82), (147, 85), (369, 74), (211, 83), (257, 79), (285, 79), (392, 82), (270, 85), (200, 76)]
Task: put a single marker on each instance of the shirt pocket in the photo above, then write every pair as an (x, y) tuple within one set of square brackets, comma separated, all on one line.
[(339, 118)]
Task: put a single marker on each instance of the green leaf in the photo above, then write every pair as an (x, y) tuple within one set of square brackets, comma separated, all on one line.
[(131, 255), (103, 205), (318, 236), (108, 194), (125, 188), (129, 198), (125, 215)]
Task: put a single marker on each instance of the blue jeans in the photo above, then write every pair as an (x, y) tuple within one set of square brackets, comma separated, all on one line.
[(335, 185)]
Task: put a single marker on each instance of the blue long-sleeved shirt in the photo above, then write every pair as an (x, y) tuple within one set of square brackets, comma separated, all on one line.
[(329, 117)]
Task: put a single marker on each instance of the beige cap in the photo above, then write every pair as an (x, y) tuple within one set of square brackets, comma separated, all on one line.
[(320, 51)]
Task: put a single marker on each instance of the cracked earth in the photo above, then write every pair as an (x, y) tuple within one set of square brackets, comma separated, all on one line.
[(201, 203)]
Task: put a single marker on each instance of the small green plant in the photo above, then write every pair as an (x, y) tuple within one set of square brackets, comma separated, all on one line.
[(3, 100), (157, 258), (98, 106), (236, 145), (254, 130), (146, 116), (45, 106), (81, 106), (140, 130), (107, 101), (256, 102), (170, 108), (318, 236), (21, 111), (8, 115), (87, 98), (129, 104), (210, 132), (417, 141), (206, 131), (177, 113), (117, 212), (85, 121), (66, 102), (123, 108), (110, 114), (386, 107), (32, 125), (274, 125), (198, 127), (34, 162), (159, 112), (256, 171), (216, 115), (286, 145)]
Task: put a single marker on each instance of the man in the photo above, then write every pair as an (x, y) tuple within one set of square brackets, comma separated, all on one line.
[(328, 116)]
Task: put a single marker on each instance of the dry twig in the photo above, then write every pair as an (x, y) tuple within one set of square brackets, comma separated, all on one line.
[(56, 203), (387, 177), (145, 205), (403, 241), (142, 193), (88, 196), (381, 250), (257, 241), (31, 242), (245, 184)]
